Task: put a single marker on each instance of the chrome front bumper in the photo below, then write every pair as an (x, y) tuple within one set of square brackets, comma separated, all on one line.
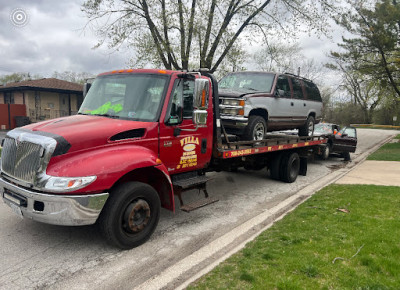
[(66, 210)]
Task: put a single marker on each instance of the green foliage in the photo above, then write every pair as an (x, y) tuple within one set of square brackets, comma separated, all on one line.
[(388, 152), (344, 114), (207, 34), (319, 247), (374, 51), (17, 77)]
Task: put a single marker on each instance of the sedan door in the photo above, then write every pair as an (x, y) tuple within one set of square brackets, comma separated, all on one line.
[(345, 140)]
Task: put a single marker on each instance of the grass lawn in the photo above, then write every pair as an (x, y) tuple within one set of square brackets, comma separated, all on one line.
[(317, 246), (388, 152)]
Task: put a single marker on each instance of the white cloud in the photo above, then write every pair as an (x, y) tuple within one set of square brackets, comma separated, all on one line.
[(52, 40)]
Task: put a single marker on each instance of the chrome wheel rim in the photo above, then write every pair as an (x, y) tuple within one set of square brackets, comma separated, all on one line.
[(259, 131), (310, 128)]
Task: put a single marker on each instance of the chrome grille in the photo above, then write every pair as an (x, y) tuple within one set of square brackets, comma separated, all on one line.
[(21, 160)]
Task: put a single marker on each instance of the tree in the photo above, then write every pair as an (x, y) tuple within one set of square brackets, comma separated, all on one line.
[(17, 77), (374, 51), (364, 92), (278, 57), (185, 33), (72, 76)]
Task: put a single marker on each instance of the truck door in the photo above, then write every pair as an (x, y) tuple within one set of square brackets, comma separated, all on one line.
[(183, 147), (280, 106), (299, 107)]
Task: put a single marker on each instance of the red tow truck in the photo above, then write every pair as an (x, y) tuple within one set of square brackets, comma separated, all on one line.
[(141, 136)]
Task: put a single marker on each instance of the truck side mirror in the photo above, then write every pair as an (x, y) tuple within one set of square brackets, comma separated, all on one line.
[(200, 101), (86, 87)]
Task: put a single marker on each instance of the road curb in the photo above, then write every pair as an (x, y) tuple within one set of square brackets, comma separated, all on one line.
[(199, 263)]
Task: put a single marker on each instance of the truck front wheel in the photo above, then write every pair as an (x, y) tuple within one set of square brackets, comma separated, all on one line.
[(130, 215), (255, 129)]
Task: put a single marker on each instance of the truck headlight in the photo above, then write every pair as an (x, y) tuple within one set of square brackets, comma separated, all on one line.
[(62, 184), (233, 102)]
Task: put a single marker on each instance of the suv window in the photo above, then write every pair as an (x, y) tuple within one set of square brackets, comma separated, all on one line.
[(312, 91), (283, 84), (297, 90)]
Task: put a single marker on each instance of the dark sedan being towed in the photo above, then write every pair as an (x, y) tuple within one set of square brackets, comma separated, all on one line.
[(340, 141)]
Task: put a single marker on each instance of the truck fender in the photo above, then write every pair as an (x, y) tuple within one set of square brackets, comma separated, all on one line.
[(112, 165)]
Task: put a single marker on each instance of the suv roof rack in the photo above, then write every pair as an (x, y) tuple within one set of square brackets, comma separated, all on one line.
[(300, 77)]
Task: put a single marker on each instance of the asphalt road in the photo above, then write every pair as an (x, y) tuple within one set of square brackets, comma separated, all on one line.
[(35, 255)]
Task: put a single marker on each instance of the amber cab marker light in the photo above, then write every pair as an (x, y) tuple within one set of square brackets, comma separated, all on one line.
[(203, 99)]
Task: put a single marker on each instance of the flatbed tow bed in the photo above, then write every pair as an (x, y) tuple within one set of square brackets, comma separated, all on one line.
[(285, 156), (271, 144)]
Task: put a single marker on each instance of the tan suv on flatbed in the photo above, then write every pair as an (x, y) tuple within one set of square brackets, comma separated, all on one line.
[(252, 103)]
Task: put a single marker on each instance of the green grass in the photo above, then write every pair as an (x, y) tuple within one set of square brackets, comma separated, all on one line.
[(388, 152), (298, 251)]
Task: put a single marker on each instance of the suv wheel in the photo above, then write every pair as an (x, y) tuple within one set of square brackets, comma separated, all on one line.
[(255, 129), (308, 128)]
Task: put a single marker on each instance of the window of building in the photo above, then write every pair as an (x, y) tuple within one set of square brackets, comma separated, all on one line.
[(9, 98)]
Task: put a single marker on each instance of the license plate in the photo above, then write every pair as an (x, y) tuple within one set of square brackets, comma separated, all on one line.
[(16, 209)]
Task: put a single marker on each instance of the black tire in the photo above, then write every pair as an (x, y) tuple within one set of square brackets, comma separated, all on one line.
[(130, 215), (275, 167), (255, 129), (326, 151), (346, 156), (308, 128), (290, 166)]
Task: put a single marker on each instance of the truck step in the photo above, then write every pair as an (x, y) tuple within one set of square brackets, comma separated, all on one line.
[(191, 182), (198, 203)]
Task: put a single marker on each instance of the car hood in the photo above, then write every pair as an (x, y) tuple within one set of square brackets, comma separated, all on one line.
[(83, 131), (238, 93), (232, 93)]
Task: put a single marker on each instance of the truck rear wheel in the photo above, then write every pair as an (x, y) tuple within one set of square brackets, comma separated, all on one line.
[(290, 166), (275, 167), (130, 215), (255, 129)]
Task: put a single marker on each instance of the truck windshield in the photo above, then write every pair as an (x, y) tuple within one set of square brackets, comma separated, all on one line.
[(126, 96), (247, 82)]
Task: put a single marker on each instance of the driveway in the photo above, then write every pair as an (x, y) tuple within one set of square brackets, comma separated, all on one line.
[(37, 255)]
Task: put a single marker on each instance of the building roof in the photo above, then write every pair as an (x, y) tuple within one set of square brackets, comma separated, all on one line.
[(50, 84)]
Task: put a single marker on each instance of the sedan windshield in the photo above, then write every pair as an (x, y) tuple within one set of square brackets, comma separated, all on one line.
[(130, 96), (247, 82), (324, 129)]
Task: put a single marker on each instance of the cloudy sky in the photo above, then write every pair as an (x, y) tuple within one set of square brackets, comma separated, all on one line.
[(43, 36)]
